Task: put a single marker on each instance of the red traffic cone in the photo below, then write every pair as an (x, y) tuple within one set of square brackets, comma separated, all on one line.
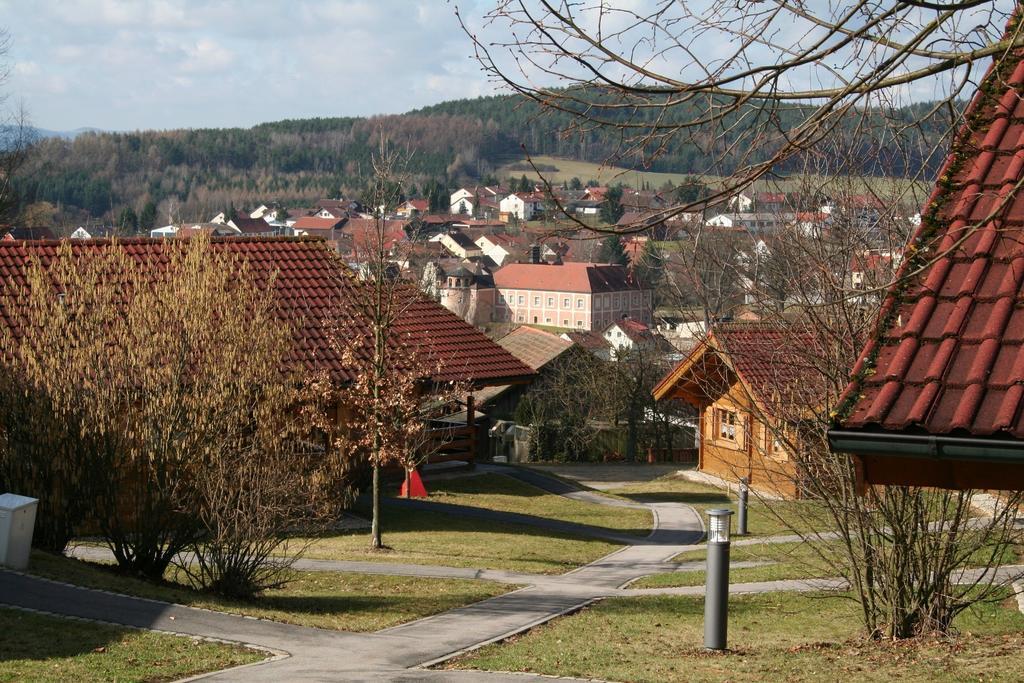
[(413, 487)]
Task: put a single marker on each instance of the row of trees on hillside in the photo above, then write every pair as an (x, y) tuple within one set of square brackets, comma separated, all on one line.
[(462, 142)]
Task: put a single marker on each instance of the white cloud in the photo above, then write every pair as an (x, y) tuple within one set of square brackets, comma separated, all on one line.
[(207, 55)]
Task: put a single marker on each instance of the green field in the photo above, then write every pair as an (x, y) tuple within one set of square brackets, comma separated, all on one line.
[(345, 601), (37, 647), (610, 175), (775, 637)]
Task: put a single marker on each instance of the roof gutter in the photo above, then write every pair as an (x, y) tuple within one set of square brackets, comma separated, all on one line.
[(936, 447)]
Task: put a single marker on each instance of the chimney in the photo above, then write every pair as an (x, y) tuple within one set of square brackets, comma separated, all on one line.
[(534, 253)]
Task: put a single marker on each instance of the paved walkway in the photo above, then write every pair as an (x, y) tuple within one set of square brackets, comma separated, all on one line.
[(396, 653)]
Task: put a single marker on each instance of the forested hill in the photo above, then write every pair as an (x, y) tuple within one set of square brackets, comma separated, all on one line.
[(191, 173)]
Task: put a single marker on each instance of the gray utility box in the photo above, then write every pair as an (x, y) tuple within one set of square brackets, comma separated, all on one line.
[(17, 521)]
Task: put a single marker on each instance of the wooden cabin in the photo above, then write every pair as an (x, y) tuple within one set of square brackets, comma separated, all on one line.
[(741, 379)]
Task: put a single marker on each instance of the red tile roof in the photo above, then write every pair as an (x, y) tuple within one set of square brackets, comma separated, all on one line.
[(765, 357), (634, 329), (592, 341), (948, 357), (317, 223), (565, 277), (312, 286)]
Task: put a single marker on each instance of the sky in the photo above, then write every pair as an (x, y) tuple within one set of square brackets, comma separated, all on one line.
[(142, 64), (159, 64)]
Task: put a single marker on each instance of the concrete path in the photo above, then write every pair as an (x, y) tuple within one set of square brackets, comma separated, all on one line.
[(396, 653)]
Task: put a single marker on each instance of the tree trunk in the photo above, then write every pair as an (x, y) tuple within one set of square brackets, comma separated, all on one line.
[(375, 540)]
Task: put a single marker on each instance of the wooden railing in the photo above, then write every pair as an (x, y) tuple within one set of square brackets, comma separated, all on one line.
[(448, 441)]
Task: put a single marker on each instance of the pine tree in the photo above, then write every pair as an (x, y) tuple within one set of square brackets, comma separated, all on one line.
[(612, 251), (612, 209), (147, 220)]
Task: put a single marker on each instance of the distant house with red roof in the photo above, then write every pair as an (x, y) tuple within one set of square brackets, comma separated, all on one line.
[(628, 335), (459, 244), (874, 268), (468, 201), (768, 202), (744, 381), (937, 396), (318, 226), (361, 237), (584, 296), (522, 205), (252, 227), (499, 247), (413, 207)]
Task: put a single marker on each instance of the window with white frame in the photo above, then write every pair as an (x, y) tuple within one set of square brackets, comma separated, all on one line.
[(579, 303), (521, 300), (551, 302), (536, 301), (565, 302), (726, 423)]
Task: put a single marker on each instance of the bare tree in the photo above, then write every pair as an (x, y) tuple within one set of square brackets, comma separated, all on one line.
[(914, 557), (393, 393), (750, 87), (16, 138), (177, 420)]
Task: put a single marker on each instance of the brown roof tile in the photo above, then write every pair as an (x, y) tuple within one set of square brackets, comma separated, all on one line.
[(948, 357), (534, 347), (313, 286)]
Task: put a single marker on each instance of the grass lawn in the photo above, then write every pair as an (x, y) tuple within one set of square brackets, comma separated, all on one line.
[(585, 170), (500, 492), (443, 539), (36, 647), (783, 636), (764, 518), (789, 561), (331, 600)]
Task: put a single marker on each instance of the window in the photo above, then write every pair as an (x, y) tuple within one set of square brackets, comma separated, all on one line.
[(565, 302), (579, 323), (521, 319), (579, 303), (501, 298), (521, 300), (536, 301), (551, 302), (547, 321), (725, 424), (775, 447), (636, 297)]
